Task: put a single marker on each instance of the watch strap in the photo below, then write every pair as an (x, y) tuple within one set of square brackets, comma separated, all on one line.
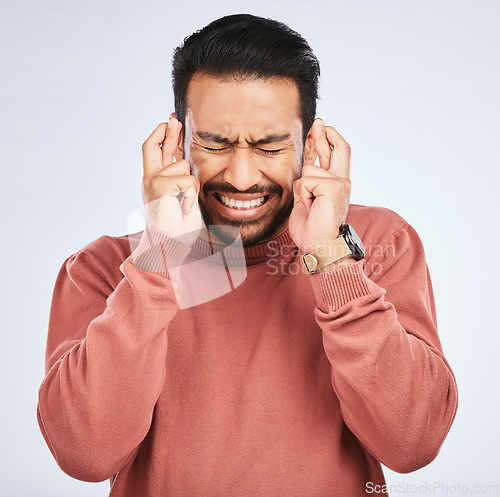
[(326, 255)]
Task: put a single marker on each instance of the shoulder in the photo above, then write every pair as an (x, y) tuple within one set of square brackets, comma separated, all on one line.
[(375, 225), (104, 255), (389, 240)]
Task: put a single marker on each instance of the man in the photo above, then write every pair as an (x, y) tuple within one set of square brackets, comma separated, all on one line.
[(296, 383)]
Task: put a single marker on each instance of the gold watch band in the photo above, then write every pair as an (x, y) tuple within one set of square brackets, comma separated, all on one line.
[(326, 255)]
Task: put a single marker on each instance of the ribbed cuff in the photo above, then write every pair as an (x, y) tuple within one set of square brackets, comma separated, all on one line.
[(335, 288), (158, 252)]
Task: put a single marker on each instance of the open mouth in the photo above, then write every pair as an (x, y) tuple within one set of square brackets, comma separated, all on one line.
[(241, 204)]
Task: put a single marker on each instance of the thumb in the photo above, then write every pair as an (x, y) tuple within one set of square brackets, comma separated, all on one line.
[(189, 199)]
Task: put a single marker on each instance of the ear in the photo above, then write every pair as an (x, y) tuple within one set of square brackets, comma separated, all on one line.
[(179, 153), (310, 154)]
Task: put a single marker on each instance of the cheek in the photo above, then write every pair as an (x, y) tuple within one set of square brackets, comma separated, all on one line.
[(284, 175), (204, 167), (293, 174), (292, 164), (194, 170), (288, 173)]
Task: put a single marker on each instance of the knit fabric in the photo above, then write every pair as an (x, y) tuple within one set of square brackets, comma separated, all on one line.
[(287, 385)]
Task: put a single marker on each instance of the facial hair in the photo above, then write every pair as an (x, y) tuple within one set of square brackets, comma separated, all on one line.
[(252, 231)]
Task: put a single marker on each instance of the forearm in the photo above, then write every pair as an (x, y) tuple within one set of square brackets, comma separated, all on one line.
[(397, 393), (96, 402), (105, 361)]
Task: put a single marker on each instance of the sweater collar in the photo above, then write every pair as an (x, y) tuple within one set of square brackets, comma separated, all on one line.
[(253, 254)]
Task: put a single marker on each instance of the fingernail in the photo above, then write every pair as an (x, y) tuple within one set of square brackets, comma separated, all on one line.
[(169, 125)]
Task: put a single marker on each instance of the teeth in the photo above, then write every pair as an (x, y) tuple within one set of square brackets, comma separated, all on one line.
[(241, 204)]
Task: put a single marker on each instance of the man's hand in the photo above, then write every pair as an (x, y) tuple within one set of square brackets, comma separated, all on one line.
[(321, 195), (165, 181)]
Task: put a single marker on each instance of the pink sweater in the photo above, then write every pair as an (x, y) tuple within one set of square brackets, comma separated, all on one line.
[(288, 385)]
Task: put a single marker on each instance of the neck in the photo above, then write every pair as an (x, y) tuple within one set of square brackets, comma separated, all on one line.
[(209, 236), (207, 244), (278, 232)]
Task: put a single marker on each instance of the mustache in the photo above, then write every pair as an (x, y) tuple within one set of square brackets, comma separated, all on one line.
[(228, 188)]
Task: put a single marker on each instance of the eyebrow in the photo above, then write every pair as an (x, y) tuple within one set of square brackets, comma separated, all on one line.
[(214, 137)]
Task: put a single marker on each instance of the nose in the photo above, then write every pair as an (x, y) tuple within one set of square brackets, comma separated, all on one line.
[(243, 170)]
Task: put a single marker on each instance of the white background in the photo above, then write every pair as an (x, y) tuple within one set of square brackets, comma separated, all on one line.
[(412, 86)]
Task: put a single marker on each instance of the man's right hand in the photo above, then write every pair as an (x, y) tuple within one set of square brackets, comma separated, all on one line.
[(169, 190)]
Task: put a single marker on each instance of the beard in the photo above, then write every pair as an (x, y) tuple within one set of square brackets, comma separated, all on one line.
[(252, 231)]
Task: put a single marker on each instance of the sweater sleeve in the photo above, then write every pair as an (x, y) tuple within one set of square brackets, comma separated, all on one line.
[(105, 356), (397, 393)]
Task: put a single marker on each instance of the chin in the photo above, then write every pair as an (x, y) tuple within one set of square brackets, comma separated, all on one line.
[(251, 231)]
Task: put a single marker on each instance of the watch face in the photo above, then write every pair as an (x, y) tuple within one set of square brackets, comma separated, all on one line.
[(354, 242)]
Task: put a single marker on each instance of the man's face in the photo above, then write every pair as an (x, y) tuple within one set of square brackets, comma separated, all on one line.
[(243, 140)]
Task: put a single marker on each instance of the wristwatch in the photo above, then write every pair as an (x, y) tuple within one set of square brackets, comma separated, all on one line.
[(347, 244)]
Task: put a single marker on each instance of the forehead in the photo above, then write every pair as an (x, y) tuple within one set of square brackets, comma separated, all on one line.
[(232, 106)]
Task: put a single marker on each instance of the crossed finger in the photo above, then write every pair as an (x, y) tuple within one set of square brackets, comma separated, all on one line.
[(159, 148), (333, 151)]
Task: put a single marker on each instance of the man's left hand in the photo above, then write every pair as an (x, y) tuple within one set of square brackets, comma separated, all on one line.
[(321, 195)]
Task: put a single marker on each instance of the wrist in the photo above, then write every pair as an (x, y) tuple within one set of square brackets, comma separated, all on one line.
[(343, 251), (346, 261)]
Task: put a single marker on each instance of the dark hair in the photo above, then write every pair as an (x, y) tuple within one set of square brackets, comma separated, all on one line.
[(243, 45)]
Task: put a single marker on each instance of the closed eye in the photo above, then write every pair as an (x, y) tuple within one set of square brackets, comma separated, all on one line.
[(264, 150), (270, 152), (214, 150)]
